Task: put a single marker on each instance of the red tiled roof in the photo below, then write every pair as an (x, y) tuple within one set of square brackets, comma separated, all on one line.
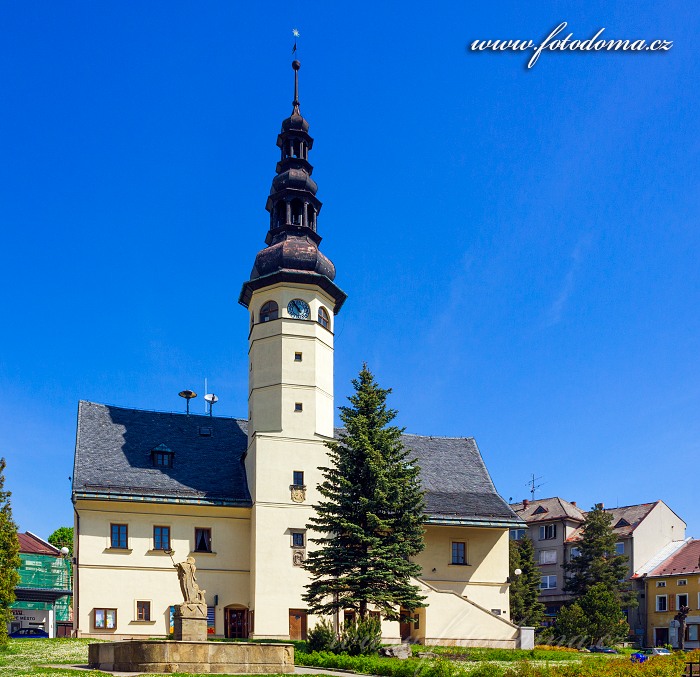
[(30, 543), (632, 514), (553, 508), (685, 561)]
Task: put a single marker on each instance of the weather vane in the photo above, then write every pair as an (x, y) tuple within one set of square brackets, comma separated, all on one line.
[(295, 33)]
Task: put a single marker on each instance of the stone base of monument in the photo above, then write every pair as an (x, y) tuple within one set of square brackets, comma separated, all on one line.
[(193, 657), (190, 622)]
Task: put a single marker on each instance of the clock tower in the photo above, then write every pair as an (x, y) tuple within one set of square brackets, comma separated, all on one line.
[(292, 301)]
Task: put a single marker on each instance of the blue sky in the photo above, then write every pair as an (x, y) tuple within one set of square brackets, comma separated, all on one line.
[(520, 247)]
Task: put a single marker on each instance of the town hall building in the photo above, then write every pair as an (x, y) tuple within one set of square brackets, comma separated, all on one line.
[(237, 494)]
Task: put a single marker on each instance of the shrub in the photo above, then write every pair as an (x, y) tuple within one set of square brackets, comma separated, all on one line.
[(361, 637), (322, 637)]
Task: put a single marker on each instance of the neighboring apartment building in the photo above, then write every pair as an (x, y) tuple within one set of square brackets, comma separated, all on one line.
[(673, 583), (237, 494), (550, 523), (43, 594), (555, 527)]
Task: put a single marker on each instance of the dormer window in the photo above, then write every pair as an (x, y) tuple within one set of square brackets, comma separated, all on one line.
[(162, 457), (540, 510), (622, 522)]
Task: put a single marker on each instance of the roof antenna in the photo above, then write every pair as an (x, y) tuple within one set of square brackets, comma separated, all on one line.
[(188, 395), (533, 486), (296, 66), (212, 400)]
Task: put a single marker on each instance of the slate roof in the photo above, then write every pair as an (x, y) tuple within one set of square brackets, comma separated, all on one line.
[(30, 543), (457, 484), (113, 456), (554, 509), (685, 561), (113, 460)]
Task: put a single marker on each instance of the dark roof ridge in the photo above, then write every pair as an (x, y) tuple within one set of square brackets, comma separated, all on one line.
[(156, 411)]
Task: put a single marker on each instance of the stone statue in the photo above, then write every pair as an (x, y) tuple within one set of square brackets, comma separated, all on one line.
[(188, 582)]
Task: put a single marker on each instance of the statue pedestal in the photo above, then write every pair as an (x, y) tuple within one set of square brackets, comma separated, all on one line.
[(190, 622)]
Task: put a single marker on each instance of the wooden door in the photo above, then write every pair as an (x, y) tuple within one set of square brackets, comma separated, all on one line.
[(236, 623), (297, 624), (405, 625)]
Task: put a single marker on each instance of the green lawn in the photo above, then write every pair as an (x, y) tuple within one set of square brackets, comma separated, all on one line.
[(26, 658)]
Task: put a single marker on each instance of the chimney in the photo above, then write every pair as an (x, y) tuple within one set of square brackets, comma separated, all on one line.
[(574, 504), (525, 503)]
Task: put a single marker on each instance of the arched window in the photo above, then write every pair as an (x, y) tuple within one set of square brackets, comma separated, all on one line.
[(297, 212), (281, 211), (269, 311), (296, 148), (323, 318), (311, 216)]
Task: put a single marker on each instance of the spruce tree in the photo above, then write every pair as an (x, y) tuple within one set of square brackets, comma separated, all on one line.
[(370, 520), (525, 606), (9, 557), (597, 561)]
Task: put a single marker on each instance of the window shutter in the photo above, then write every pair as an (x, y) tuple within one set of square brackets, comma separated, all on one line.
[(671, 603)]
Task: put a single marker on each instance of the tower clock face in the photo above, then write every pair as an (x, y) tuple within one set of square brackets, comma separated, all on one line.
[(299, 309)]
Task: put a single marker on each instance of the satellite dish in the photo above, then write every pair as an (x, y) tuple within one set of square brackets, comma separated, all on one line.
[(212, 399), (188, 395)]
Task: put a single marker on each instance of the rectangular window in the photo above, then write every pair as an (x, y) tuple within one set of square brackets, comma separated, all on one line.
[(162, 459), (661, 603), (119, 536), (682, 581), (298, 539), (459, 552), (548, 582), (548, 531), (105, 619), (548, 556), (161, 538), (298, 478), (517, 534), (297, 357), (619, 548), (691, 633), (574, 553), (681, 600), (298, 406), (202, 540), (211, 620), (143, 610), (660, 584)]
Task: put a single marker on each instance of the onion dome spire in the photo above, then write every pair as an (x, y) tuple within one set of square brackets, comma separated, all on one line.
[(292, 240)]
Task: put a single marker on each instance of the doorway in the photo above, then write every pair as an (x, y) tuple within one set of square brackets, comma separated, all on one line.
[(236, 623), (297, 624), (405, 625), (660, 636)]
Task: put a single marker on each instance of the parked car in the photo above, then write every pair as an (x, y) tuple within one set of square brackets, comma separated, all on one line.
[(657, 651), (601, 649), (29, 633)]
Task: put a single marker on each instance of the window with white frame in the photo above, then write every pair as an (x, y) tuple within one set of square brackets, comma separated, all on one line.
[(662, 602), (681, 600), (574, 553), (682, 581), (517, 534), (548, 582), (548, 557), (660, 584), (548, 531), (620, 548)]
